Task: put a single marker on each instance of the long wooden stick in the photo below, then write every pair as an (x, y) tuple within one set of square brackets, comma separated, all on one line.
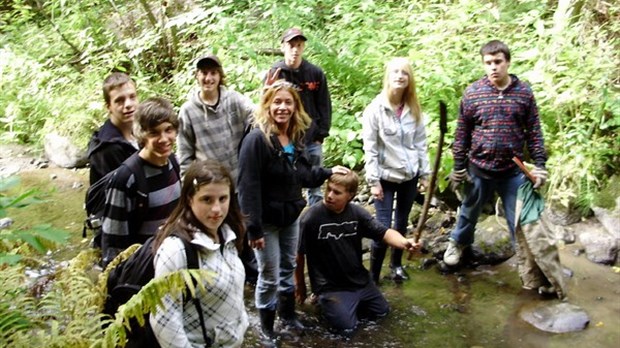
[(443, 128), (524, 169)]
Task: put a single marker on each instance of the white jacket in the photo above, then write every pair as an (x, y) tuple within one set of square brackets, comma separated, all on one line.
[(395, 148)]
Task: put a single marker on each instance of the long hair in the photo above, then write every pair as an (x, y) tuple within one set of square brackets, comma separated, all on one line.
[(299, 123), (410, 95), (183, 222)]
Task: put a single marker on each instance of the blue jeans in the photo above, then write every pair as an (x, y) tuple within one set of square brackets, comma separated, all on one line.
[(343, 309), (276, 264), (477, 194), (315, 154), (405, 193)]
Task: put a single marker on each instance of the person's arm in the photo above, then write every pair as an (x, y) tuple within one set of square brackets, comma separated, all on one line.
[(300, 280), (167, 320), (370, 136), (419, 143), (186, 141), (462, 137), (535, 140), (115, 221), (324, 109), (251, 157), (395, 239)]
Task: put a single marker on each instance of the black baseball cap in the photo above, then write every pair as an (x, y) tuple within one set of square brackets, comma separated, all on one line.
[(292, 33), (208, 60)]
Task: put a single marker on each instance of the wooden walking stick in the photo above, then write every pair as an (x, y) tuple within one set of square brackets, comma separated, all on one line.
[(443, 129)]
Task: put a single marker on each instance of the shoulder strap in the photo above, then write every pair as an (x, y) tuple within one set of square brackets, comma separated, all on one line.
[(175, 165), (191, 254), (142, 188)]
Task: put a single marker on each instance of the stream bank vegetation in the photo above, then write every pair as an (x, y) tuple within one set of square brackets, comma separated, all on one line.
[(55, 55)]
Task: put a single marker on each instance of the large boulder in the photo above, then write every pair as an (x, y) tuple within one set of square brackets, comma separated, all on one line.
[(62, 152)]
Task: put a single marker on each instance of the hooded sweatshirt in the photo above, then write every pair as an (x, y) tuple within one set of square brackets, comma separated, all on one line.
[(107, 149), (395, 148), (311, 83), (207, 132)]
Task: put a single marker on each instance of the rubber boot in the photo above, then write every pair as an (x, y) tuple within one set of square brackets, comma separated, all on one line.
[(268, 337), (286, 311), (377, 254)]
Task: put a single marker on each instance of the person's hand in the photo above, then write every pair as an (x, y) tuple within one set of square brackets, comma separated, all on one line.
[(377, 191), (258, 244), (541, 176), (300, 292), (340, 170), (411, 245), (423, 184), (272, 77), (456, 177)]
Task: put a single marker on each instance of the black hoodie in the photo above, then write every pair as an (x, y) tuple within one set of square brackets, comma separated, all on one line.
[(107, 149), (311, 83)]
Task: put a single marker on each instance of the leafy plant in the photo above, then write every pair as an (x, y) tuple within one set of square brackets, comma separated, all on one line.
[(12, 248)]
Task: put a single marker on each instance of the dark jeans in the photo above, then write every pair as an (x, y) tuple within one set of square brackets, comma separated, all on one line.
[(404, 193), (343, 309)]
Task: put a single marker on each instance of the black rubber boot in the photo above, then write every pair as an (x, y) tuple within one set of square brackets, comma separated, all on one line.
[(268, 337), (286, 311), (377, 254)]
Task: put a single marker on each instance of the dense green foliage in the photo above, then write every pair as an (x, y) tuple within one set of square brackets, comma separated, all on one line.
[(56, 53), (17, 244)]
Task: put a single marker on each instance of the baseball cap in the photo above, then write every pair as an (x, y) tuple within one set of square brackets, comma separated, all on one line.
[(292, 33), (208, 59)]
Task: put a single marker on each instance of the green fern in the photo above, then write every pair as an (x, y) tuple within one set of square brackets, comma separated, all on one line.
[(149, 298)]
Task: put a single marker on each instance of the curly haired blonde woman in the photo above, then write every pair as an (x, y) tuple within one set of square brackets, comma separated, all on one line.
[(273, 168)]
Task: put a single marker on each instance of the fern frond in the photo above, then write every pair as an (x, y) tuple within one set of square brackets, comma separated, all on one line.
[(103, 277), (149, 298)]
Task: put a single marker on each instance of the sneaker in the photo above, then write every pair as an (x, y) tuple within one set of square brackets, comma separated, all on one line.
[(399, 274), (453, 253)]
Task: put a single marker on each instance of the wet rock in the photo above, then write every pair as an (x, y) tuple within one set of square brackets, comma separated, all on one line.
[(5, 223), (557, 318), (428, 263), (558, 214), (492, 244), (600, 246), (610, 219)]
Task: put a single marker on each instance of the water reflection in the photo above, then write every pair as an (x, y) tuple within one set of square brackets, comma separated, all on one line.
[(473, 308)]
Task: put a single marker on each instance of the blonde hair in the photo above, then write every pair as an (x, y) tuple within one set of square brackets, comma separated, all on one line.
[(410, 95), (299, 123)]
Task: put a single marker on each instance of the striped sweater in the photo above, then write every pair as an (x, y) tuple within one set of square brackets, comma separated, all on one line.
[(494, 126)]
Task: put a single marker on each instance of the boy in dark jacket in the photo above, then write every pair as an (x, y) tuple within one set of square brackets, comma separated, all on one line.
[(311, 84), (113, 143)]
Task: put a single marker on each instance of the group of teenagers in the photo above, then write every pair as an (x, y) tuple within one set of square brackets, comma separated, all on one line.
[(234, 188)]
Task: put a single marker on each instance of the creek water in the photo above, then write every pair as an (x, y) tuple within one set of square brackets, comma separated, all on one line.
[(473, 308)]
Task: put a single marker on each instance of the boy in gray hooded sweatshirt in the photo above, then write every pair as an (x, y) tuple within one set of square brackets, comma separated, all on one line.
[(213, 120), (211, 125)]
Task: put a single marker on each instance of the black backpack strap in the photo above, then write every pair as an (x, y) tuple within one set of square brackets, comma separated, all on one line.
[(134, 163), (191, 255)]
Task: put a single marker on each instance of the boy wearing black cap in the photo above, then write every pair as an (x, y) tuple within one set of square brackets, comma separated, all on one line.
[(212, 121), (311, 83), (211, 126)]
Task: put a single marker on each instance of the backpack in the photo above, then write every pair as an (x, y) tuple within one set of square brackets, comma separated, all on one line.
[(94, 201), (126, 280)]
